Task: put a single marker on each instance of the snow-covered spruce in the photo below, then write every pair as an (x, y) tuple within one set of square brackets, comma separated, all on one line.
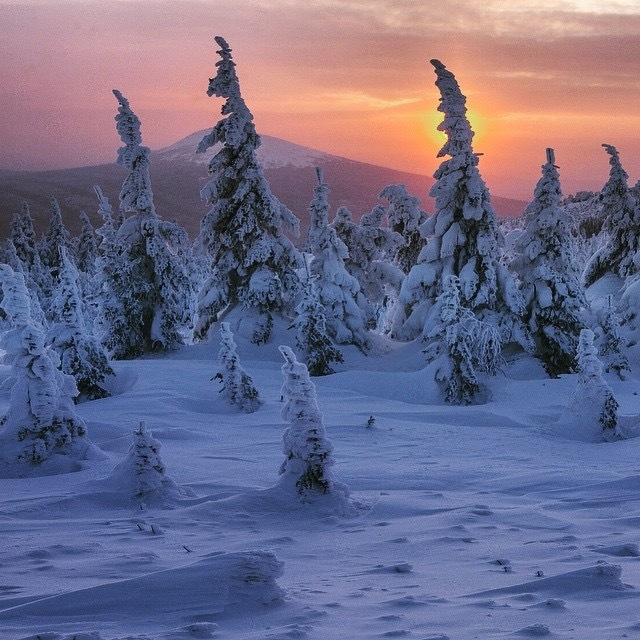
[(81, 354), (372, 249), (622, 222), (593, 404), (253, 262), (460, 346), (405, 217), (338, 291), (56, 237), (23, 237), (145, 290), (465, 239), (312, 337), (142, 474), (550, 284), (236, 385), (41, 432), (308, 453), (609, 340)]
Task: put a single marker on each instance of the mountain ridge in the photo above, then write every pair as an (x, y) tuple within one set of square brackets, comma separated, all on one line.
[(178, 174)]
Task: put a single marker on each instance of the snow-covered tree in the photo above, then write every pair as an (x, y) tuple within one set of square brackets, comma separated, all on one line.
[(253, 261), (550, 283), (236, 384), (41, 421), (23, 236), (142, 471), (107, 231), (372, 250), (81, 355), (145, 290), (338, 291), (57, 236), (621, 214), (86, 250), (465, 238), (593, 400), (405, 217), (308, 452), (461, 346), (312, 338), (610, 342)]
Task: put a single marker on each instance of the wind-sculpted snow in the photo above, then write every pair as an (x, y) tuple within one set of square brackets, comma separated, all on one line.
[(463, 522)]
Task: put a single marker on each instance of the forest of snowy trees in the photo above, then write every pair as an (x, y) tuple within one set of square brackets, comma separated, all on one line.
[(464, 287)]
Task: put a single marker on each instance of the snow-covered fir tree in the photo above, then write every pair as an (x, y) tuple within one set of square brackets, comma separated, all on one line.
[(593, 401), (550, 283), (56, 237), (610, 342), (23, 237), (86, 250), (621, 213), (465, 239), (41, 422), (81, 354), (253, 263), (236, 384), (145, 290), (308, 453), (312, 337), (461, 345), (372, 249), (405, 217), (338, 291), (142, 473), (107, 230)]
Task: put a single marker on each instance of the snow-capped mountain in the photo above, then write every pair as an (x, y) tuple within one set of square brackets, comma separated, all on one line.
[(178, 174), (273, 153)]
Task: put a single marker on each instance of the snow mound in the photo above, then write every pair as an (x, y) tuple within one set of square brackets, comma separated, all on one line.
[(600, 581), (243, 581)]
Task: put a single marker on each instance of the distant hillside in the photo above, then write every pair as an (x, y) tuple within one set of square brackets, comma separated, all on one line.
[(178, 174)]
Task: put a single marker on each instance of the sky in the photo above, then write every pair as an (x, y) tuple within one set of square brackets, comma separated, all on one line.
[(349, 77)]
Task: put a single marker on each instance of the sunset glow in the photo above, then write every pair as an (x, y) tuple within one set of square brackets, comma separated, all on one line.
[(350, 78)]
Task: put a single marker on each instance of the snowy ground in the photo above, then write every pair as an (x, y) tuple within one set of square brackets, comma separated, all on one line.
[(472, 522)]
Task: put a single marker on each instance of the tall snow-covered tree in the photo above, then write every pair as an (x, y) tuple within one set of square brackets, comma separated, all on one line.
[(253, 261), (622, 223), (312, 338), (405, 217), (593, 401), (465, 238), (145, 289), (308, 453), (461, 345), (81, 354), (550, 284), (236, 384), (41, 421), (338, 291)]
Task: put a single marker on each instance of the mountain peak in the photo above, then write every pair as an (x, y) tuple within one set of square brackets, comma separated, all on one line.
[(273, 153)]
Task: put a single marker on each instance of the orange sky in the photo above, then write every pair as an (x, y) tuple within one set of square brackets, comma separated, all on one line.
[(349, 77)]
